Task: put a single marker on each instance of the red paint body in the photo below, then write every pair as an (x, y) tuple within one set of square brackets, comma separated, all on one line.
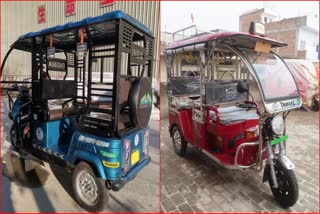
[(224, 35), (204, 136)]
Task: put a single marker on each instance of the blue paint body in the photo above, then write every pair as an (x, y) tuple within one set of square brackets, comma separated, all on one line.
[(62, 138), (114, 15)]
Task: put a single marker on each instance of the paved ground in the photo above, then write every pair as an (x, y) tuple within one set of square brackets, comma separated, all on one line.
[(51, 189), (196, 183)]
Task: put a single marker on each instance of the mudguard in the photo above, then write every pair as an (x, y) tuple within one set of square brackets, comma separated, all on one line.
[(284, 160), (266, 173), (86, 156)]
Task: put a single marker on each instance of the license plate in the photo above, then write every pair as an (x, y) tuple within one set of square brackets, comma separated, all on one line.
[(278, 140), (135, 156)]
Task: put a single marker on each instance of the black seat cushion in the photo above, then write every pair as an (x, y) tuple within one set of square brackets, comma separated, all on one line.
[(233, 114)]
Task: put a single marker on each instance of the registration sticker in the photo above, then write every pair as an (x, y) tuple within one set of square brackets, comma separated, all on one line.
[(135, 156)]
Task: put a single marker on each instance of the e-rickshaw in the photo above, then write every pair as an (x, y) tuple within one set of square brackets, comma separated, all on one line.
[(88, 103), (229, 96)]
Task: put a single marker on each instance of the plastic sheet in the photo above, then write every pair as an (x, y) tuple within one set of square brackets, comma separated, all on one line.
[(185, 86), (305, 75)]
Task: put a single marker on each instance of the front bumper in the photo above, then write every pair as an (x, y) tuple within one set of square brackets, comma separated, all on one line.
[(117, 185)]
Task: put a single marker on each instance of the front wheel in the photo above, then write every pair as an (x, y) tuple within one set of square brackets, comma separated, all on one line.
[(287, 192), (13, 137), (179, 143), (90, 191)]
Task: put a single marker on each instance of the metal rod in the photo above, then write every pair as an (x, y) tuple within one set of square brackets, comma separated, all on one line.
[(5, 59), (101, 70)]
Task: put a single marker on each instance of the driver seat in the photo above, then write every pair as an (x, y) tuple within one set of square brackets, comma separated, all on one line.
[(234, 114)]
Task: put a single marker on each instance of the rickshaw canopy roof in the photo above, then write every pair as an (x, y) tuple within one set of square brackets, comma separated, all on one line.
[(238, 39), (24, 41)]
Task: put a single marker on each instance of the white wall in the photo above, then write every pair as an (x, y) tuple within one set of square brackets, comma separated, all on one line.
[(311, 39)]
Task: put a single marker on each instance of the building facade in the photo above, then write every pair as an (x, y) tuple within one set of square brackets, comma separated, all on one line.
[(21, 17), (297, 32)]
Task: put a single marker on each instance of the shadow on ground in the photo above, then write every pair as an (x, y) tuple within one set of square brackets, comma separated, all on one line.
[(13, 172)]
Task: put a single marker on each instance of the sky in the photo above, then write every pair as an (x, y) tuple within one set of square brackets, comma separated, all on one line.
[(225, 14)]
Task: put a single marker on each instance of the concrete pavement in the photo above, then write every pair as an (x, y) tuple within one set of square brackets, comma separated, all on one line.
[(196, 183)]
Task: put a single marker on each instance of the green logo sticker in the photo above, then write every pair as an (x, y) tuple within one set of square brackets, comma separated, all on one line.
[(108, 155), (146, 100)]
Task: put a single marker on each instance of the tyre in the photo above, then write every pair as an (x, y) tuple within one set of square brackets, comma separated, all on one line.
[(156, 100), (315, 103), (287, 192), (90, 191), (13, 137), (179, 143)]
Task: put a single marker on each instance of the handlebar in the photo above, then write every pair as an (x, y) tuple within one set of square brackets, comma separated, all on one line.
[(249, 105)]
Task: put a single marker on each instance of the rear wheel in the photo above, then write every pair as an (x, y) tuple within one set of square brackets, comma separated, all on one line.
[(287, 192), (90, 191), (179, 143)]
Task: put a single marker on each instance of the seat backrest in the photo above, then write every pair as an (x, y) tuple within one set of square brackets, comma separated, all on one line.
[(185, 86), (58, 89), (219, 92)]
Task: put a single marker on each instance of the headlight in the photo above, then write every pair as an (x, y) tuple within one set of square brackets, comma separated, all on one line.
[(277, 124)]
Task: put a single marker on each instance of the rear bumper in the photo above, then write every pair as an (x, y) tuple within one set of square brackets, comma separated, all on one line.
[(117, 185)]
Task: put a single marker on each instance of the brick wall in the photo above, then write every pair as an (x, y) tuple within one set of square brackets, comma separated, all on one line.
[(289, 37), (285, 30), (245, 19), (286, 24)]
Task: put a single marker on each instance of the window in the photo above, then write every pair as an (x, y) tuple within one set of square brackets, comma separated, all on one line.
[(265, 20)]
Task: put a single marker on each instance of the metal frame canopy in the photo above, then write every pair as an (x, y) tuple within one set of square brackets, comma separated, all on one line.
[(236, 39), (232, 42), (24, 41), (113, 36)]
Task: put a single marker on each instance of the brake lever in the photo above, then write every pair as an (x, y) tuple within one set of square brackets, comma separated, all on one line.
[(242, 105), (247, 106)]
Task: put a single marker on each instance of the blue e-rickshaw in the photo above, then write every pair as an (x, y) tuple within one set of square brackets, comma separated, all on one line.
[(88, 103)]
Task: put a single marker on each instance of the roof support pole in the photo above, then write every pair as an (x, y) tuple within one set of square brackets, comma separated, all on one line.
[(116, 76), (90, 60), (5, 59)]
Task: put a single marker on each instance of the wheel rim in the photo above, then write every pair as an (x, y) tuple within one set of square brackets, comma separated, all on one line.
[(86, 188), (177, 139), (283, 183)]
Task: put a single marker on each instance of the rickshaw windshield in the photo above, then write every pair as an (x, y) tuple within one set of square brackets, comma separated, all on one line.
[(274, 76)]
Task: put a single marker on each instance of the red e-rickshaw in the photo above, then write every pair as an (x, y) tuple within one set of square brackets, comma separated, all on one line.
[(229, 96)]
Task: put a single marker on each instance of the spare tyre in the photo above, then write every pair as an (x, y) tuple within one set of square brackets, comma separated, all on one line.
[(140, 101)]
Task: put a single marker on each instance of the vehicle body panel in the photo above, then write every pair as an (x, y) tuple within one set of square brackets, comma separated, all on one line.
[(71, 145)]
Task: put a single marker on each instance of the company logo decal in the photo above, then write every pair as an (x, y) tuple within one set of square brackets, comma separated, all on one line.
[(287, 104), (108, 154), (39, 133), (93, 141), (136, 140), (231, 93), (110, 164), (146, 101)]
